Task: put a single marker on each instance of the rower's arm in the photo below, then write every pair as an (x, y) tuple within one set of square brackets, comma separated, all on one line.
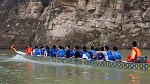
[(133, 53), (45, 53), (14, 49), (95, 55), (31, 53)]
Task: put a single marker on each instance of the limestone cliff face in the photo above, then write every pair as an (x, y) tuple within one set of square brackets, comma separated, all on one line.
[(75, 22)]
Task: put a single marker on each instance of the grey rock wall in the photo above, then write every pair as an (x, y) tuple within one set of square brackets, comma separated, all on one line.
[(75, 22)]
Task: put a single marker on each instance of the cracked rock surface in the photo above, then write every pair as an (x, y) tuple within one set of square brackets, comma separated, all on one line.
[(75, 22)]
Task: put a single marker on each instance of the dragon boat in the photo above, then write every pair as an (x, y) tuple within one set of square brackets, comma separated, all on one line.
[(121, 65)]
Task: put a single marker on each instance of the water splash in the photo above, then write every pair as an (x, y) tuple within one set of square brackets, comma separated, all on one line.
[(16, 58), (21, 58)]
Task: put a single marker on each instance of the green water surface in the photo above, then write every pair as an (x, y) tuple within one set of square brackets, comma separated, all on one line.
[(15, 70)]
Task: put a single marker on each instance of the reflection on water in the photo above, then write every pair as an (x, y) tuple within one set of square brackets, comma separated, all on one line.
[(29, 67), (18, 70), (134, 78)]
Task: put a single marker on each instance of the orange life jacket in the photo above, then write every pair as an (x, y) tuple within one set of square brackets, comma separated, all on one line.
[(138, 53), (29, 51)]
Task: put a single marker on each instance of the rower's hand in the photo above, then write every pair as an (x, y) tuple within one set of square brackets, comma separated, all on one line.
[(13, 47), (130, 60)]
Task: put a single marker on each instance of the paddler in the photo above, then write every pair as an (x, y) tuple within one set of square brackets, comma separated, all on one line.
[(29, 50), (134, 53), (116, 54), (36, 51), (109, 55)]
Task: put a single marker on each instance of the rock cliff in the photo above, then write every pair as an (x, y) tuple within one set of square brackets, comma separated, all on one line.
[(75, 22)]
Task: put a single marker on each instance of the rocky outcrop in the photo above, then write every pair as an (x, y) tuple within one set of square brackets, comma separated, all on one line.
[(75, 22)]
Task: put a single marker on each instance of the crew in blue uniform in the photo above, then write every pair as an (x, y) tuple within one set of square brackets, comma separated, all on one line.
[(69, 53), (47, 51), (77, 53), (60, 52), (86, 54), (80, 53), (116, 54), (42, 50), (54, 51), (92, 51), (36, 51), (109, 54), (98, 55)]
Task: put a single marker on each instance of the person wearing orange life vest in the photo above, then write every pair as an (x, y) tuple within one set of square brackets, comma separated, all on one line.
[(29, 50), (134, 53)]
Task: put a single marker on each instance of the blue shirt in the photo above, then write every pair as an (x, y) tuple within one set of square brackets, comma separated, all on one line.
[(42, 50), (117, 55), (61, 53), (36, 51), (53, 52), (110, 55)]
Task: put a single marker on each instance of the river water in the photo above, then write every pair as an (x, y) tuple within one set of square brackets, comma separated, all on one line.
[(18, 70)]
